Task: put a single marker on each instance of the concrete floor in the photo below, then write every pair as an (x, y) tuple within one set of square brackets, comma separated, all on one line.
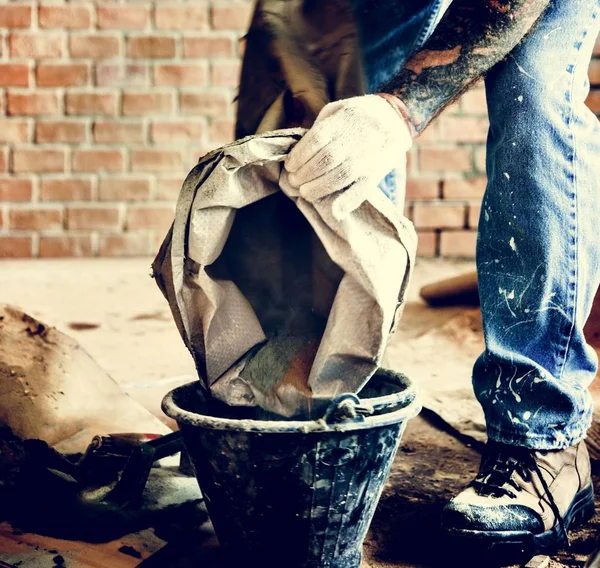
[(115, 310), (117, 313)]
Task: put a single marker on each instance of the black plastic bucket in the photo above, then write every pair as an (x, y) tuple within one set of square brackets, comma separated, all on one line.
[(295, 494)]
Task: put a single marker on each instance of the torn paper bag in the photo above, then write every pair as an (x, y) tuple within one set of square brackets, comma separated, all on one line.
[(282, 302)]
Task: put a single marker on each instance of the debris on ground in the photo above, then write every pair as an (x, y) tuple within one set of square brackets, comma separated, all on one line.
[(82, 325)]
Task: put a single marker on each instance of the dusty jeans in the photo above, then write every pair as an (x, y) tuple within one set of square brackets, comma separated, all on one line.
[(538, 250)]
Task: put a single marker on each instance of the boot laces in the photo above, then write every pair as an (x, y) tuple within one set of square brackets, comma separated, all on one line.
[(495, 477)]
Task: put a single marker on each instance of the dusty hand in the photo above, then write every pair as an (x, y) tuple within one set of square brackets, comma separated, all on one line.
[(353, 144)]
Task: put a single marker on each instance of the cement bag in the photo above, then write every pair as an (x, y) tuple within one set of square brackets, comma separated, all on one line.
[(283, 303)]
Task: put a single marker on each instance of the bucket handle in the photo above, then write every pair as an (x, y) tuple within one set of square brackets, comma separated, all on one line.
[(348, 407)]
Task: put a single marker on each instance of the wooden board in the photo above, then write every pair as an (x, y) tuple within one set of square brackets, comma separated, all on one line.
[(27, 550)]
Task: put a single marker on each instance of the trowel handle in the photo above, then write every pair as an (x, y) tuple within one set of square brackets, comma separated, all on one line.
[(131, 484), (120, 443)]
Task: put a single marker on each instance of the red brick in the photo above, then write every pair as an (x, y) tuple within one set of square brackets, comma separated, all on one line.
[(98, 160), (464, 188), (594, 72), (145, 103), (430, 135), (15, 189), (453, 108), (449, 159), (15, 16), (122, 75), (38, 46), (183, 130), (593, 100), (231, 17), (474, 102), (181, 17), (60, 16), (225, 73), (151, 47), (208, 46), (32, 103), (94, 46), (123, 17), (90, 218), (69, 75), (35, 219), (204, 103), (474, 212), (150, 217), (61, 246), (124, 189), (38, 160), (68, 132), (438, 215), (95, 103), (126, 244), (1, 219), (410, 161), (14, 75), (16, 247), (195, 153), (458, 244), (167, 189), (422, 188), (427, 243), (222, 131), (3, 160), (66, 189), (177, 75), (463, 129), (480, 159), (155, 160), (241, 48), (13, 130), (113, 131), (597, 46)]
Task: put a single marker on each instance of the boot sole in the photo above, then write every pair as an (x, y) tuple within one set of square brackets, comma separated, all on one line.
[(511, 545)]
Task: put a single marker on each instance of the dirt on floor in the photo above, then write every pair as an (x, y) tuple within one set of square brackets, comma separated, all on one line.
[(117, 313), (432, 465)]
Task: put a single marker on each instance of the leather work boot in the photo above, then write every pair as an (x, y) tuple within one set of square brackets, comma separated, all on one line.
[(522, 502), (594, 560)]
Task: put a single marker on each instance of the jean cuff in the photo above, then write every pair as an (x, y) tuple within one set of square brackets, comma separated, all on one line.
[(551, 439)]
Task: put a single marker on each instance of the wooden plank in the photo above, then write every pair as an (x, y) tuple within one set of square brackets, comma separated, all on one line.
[(27, 547)]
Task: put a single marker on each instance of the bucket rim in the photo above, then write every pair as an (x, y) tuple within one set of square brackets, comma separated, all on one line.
[(410, 408)]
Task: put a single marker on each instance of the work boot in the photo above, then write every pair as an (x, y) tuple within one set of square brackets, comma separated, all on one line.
[(594, 559), (522, 502)]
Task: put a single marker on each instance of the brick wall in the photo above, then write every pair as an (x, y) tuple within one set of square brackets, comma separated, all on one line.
[(105, 106)]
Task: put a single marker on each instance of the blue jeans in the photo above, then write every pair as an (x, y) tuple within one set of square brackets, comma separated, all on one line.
[(538, 250)]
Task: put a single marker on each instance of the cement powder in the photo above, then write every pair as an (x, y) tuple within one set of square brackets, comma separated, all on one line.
[(281, 368)]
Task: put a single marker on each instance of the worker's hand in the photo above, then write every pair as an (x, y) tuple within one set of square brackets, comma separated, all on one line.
[(353, 144)]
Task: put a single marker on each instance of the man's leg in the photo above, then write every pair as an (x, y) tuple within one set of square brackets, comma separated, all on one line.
[(538, 259), (538, 253)]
